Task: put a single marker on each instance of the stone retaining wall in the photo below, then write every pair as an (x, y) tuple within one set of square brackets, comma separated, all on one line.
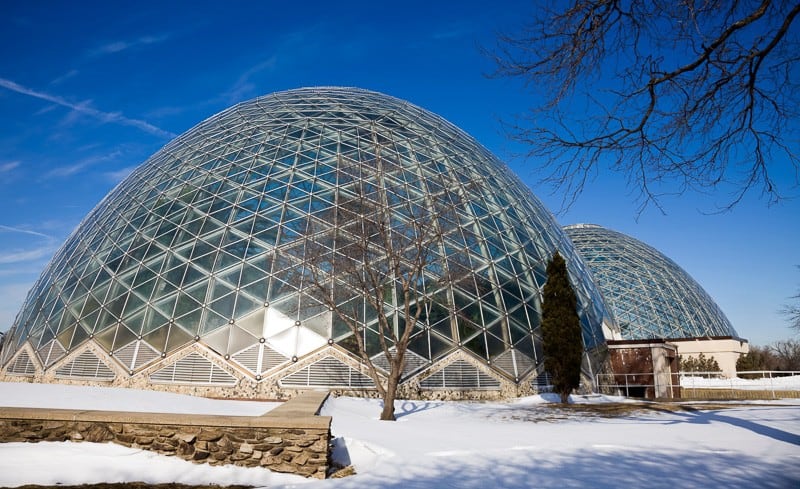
[(290, 438)]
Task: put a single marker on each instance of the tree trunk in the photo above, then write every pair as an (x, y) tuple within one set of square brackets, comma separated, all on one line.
[(564, 397), (391, 389), (388, 400)]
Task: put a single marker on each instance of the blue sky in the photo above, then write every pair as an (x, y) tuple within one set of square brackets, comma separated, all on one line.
[(89, 90)]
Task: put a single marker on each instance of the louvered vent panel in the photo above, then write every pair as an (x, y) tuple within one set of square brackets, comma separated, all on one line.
[(22, 365), (505, 362), (51, 352), (524, 363), (86, 366), (513, 363), (414, 362), (542, 383), (193, 369), (126, 354), (460, 375), (135, 355), (248, 358), (144, 355), (328, 372), (271, 359)]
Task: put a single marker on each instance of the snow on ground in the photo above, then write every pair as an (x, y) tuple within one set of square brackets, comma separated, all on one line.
[(477, 445), (521, 444), (768, 383), (51, 463), (56, 396)]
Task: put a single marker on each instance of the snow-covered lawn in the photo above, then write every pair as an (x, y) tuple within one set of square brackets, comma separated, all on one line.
[(522, 444), (55, 396), (791, 382)]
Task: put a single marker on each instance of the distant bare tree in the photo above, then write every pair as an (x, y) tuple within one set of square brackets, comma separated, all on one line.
[(377, 245), (780, 355), (792, 311), (787, 352), (675, 94)]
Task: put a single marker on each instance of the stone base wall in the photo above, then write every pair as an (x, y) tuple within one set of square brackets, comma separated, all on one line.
[(288, 439), (245, 386)]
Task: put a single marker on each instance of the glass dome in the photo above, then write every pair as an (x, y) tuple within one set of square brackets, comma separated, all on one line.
[(204, 244), (649, 295)]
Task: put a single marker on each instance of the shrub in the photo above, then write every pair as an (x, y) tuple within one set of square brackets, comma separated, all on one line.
[(699, 364)]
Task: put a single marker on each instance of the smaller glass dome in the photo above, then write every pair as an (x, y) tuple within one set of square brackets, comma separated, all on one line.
[(649, 294)]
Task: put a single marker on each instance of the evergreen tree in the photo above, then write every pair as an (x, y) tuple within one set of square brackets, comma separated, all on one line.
[(699, 364), (562, 338), (755, 359), (750, 361)]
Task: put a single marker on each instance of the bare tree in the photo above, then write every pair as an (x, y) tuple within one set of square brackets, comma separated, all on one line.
[(674, 94), (374, 263), (792, 311), (780, 355), (787, 353)]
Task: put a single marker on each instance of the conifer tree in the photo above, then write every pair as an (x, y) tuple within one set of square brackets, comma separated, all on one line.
[(700, 363), (562, 339)]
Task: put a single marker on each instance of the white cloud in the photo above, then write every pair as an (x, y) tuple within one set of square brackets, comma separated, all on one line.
[(46, 109), (66, 76), (26, 250), (68, 170), (118, 46), (244, 87), (86, 109), (119, 175), (20, 256), (7, 167), (11, 229), (65, 171)]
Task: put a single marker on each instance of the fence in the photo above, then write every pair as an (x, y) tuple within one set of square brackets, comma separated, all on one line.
[(758, 384)]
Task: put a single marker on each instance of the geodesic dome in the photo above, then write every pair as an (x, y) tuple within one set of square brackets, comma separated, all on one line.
[(649, 295), (191, 271)]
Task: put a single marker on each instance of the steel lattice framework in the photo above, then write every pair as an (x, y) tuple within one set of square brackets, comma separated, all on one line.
[(649, 295), (202, 243)]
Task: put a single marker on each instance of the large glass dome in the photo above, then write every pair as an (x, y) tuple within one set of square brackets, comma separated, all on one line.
[(202, 248), (649, 295)]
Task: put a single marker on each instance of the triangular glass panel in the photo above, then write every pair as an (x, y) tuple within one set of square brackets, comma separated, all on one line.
[(78, 338), (157, 339), (245, 305), (239, 339), (122, 337), (217, 340), (65, 337), (212, 320), (154, 320), (177, 338)]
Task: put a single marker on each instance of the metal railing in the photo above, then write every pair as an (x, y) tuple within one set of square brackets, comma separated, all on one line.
[(647, 384), (630, 384)]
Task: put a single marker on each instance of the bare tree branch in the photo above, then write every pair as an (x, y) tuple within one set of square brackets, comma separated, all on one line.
[(677, 96), (367, 261), (792, 311)]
